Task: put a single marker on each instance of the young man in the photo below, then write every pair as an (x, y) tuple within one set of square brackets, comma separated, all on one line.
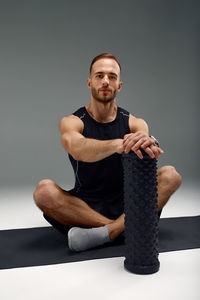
[(95, 136)]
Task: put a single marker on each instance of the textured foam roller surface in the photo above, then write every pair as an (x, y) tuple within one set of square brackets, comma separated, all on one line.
[(141, 213)]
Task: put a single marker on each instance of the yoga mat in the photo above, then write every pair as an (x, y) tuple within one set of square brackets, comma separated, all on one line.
[(46, 246)]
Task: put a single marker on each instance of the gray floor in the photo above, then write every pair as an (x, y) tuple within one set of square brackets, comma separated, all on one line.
[(178, 278)]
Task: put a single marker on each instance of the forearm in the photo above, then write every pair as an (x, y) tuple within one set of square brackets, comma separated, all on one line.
[(139, 139), (92, 150)]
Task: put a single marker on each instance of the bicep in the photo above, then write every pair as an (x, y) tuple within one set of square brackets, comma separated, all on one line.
[(137, 124), (71, 129), (71, 123)]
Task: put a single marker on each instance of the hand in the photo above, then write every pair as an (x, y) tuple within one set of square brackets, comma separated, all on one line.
[(119, 146), (141, 140)]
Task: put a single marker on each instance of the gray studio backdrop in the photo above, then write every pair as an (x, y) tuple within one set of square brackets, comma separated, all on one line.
[(46, 48)]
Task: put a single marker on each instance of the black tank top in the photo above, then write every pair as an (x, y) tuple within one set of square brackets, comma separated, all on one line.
[(100, 183)]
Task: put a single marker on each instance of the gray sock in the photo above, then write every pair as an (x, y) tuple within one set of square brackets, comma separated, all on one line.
[(80, 239)]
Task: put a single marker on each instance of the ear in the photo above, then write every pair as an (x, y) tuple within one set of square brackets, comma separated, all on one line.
[(120, 86), (89, 83)]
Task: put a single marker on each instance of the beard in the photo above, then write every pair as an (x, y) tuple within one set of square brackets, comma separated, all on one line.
[(104, 98)]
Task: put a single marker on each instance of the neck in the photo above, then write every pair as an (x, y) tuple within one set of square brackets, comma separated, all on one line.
[(102, 112)]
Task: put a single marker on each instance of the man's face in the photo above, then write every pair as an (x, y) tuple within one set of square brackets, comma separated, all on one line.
[(104, 81)]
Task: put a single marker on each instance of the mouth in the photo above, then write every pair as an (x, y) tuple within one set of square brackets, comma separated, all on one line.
[(105, 90)]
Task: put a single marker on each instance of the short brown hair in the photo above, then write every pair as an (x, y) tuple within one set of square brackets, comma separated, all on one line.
[(104, 55)]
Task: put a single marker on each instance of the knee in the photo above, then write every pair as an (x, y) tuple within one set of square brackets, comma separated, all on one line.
[(170, 178), (45, 194)]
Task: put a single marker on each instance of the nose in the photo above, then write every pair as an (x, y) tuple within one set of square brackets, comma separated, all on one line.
[(105, 80)]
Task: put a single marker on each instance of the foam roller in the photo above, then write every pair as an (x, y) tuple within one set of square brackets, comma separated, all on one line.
[(141, 213)]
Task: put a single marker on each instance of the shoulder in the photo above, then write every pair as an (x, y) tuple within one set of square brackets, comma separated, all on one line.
[(71, 123), (137, 124)]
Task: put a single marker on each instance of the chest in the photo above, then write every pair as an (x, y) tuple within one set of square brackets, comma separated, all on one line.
[(109, 131)]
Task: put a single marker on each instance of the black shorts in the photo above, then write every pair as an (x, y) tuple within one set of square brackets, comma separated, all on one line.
[(57, 225), (111, 209), (109, 204), (64, 228)]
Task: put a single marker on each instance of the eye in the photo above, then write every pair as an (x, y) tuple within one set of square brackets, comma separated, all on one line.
[(112, 77), (99, 76)]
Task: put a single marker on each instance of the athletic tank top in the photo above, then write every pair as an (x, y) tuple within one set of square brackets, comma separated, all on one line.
[(100, 183)]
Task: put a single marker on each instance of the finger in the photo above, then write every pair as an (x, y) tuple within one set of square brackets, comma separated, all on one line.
[(135, 140), (131, 136), (126, 136), (139, 143), (157, 151), (160, 150), (149, 152), (130, 141), (146, 144), (138, 153), (127, 146), (126, 142)]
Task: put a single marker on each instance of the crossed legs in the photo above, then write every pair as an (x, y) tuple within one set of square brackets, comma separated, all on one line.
[(72, 211)]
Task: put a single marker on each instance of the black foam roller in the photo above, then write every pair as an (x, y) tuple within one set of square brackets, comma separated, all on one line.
[(141, 213)]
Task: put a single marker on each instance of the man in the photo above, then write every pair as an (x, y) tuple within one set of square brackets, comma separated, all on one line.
[(95, 136)]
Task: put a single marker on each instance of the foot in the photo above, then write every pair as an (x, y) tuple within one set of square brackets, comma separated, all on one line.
[(116, 228), (80, 239)]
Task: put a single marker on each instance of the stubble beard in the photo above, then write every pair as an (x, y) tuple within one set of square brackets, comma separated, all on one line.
[(103, 98)]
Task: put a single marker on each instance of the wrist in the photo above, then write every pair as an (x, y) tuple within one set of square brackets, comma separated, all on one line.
[(118, 145), (155, 140)]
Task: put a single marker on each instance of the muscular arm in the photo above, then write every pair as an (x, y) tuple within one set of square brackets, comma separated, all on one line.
[(85, 149), (139, 139)]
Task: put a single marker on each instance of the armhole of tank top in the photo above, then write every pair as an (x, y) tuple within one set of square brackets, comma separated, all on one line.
[(81, 115), (125, 114)]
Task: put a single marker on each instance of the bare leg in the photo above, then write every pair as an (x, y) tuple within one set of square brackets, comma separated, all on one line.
[(65, 208), (168, 182), (70, 210), (117, 227), (82, 239)]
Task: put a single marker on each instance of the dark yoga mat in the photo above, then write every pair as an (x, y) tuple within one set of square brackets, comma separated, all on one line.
[(46, 246)]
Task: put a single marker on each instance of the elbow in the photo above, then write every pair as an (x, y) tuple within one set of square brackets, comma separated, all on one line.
[(67, 145), (65, 142)]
